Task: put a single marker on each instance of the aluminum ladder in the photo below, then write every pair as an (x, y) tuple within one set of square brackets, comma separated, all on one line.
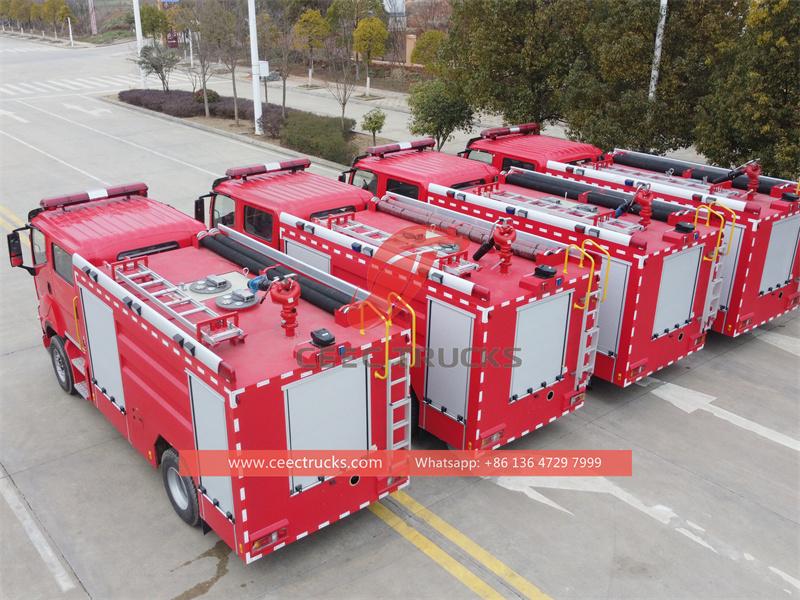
[(360, 231), (589, 337), (712, 298), (174, 301), (404, 424)]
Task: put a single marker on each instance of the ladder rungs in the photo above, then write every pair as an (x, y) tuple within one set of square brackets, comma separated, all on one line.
[(399, 424), (166, 290), (192, 311)]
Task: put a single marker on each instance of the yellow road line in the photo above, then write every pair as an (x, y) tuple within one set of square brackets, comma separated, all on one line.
[(435, 553), (6, 225), (483, 556), (11, 216)]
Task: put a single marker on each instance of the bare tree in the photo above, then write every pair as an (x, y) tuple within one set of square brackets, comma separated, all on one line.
[(194, 16), (340, 52), (278, 28), (224, 32)]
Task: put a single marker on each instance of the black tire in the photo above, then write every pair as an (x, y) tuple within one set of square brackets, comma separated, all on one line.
[(61, 364), (181, 490)]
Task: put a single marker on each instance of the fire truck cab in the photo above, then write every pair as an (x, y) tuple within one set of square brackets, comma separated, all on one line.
[(397, 179), (523, 146), (468, 292), (190, 341), (102, 226)]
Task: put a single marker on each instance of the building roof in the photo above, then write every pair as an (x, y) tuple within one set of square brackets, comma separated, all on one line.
[(100, 230), (285, 191), (429, 167), (537, 148)]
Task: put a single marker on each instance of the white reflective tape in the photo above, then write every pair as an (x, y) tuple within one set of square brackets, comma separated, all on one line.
[(96, 194)]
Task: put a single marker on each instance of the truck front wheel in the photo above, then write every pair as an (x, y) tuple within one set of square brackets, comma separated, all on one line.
[(181, 491), (61, 366)]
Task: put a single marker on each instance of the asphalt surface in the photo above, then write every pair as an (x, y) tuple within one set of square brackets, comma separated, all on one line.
[(711, 510)]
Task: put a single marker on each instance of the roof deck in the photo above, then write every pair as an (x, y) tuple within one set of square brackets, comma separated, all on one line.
[(502, 287), (266, 350), (102, 229)]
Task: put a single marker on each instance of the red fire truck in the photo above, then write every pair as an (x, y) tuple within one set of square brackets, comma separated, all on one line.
[(163, 327), (478, 288), (760, 273), (660, 284)]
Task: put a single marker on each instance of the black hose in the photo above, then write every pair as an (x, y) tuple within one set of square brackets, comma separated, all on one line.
[(709, 173), (321, 296), (334, 294), (605, 198)]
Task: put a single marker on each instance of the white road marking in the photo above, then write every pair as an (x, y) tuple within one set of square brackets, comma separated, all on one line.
[(35, 535), (55, 158), (89, 111), (660, 513), (122, 140), (11, 115), (786, 577), (784, 342), (690, 400)]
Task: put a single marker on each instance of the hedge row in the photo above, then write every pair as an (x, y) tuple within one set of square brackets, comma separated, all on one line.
[(305, 132)]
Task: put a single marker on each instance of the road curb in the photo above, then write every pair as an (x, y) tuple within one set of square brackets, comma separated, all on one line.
[(227, 134)]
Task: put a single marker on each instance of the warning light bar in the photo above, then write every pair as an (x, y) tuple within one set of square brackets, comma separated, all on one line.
[(297, 164), (496, 132), (132, 189), (419, 144)]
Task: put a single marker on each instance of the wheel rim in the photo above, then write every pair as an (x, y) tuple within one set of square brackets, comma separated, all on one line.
[(60, 366), (177, 488)]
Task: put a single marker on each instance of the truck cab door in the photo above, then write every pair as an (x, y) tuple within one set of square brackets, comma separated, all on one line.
[(61, 287)]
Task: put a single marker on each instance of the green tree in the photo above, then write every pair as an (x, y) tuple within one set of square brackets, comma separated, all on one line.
[(310, 32), (752, 109), (426, 50), (605, 95), (511, 57), (155, 22), (158, 60), (373, 122), (369, 39), (437, 110)]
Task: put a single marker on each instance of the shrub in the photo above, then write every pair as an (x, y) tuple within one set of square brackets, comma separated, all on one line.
[(210, 94), (318, 136), (272, 120)]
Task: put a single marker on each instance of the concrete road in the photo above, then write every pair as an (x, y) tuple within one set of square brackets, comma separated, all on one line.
[(710, 512)]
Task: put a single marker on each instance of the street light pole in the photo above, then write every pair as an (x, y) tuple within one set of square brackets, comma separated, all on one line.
[(251, 17), (137, 20)]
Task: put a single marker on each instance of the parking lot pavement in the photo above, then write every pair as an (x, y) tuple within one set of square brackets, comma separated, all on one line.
[(711, 510)]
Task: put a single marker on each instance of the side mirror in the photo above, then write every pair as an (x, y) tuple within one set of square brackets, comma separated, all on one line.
[(342, 178), (15, 256), (200, 208)]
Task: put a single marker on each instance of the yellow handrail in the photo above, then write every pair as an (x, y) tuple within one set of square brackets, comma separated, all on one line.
[(591, 272), (77, 326), (733, 224), (388, 324), (608, 264), (413, 323), (709, 212)]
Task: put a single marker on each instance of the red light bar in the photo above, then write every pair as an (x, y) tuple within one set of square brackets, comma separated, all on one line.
[(297, 164), (496, 132), (420, 144), (138, 189)]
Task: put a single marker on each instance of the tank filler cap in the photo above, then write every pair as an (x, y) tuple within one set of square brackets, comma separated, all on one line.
[(684, 227), (237, 300), (212, 284), (322, 338), (544, 271)]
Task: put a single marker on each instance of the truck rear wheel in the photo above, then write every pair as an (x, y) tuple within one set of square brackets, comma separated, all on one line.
[(61, 366), (181, 490)]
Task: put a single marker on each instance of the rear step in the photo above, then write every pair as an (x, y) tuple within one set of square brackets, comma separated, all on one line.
[(83, 389)]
